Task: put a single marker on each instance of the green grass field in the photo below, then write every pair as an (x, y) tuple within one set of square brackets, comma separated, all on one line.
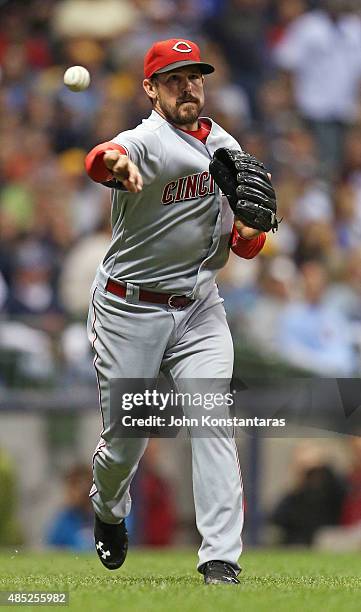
[(167, 582)]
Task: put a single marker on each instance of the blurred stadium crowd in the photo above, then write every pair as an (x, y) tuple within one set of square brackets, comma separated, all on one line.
[(287, 85)]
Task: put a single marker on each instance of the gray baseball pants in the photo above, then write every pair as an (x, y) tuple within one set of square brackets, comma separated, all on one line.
[(138, 340)]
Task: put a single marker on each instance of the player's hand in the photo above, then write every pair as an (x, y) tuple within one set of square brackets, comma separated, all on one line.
[(246, 232), (123, 170)]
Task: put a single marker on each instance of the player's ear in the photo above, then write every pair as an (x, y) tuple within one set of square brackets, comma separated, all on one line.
[(150, 88)]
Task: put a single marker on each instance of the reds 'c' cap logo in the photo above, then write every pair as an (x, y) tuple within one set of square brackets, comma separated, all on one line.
[(182, 46), (164, 55)]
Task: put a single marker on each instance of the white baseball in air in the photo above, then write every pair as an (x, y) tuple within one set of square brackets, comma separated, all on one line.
[(77, 78)]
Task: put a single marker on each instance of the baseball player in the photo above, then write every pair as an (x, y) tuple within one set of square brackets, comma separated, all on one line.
[(155, 305)]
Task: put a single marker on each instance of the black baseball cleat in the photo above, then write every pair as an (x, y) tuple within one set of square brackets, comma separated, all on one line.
[(219, 572), (111, 543)]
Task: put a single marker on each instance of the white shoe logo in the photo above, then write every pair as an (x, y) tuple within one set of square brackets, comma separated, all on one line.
[(105, 553)]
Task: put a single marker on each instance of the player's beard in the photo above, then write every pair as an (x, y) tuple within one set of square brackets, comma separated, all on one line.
[(185, 112)]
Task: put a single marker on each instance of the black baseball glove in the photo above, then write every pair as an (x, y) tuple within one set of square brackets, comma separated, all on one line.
[(245, 182)]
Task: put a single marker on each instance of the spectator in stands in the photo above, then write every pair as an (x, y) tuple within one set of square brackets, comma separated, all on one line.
[(154, 510), (240, 29), (347, 536), (286, 11), (313, 334), (277, 281), (80, 264), (317, 241), (322, 51), (31, 291), (345, 293), (72, 526), (314, 501), (349, 193)]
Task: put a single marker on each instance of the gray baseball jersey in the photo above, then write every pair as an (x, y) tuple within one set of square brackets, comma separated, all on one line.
[(171, 237)]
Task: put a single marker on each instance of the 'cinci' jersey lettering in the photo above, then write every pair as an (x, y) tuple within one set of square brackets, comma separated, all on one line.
[(188, 188)]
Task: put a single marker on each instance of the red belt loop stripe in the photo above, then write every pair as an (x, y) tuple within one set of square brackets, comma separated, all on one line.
[(174, 301)]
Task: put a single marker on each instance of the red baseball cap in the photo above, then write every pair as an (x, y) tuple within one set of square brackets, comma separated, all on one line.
[(166, 55)]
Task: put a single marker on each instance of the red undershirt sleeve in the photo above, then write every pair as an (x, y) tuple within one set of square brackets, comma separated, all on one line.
[(94, 163), (247, 249)]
